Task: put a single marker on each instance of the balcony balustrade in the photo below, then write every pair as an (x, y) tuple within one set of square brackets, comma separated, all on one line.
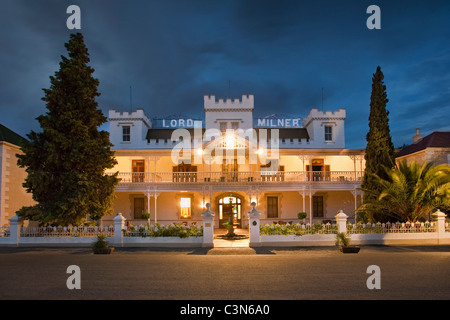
[(332, 177)]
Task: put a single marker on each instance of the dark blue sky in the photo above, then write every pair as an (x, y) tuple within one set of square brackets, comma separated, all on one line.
[(283, 52)]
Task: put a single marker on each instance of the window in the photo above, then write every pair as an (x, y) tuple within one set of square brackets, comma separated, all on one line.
[(272, 207), (126, 136), (223, 126), (235, 125), (138, 167), (185, 205), (328, 133), (317, 202), (138, 208)]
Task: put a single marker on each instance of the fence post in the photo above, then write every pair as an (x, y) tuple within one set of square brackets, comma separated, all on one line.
[(15, 224), (208, 227), (439, 217), (254, 232), (119, 222), (341, 221)]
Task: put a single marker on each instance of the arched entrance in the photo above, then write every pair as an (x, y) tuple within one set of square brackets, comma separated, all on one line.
[(230, 207)]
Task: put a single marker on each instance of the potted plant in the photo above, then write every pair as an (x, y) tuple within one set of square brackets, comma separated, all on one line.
[(301, 216), (101, 246), (145, 215), (343, 241)]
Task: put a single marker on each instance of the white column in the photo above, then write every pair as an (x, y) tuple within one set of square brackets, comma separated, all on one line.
[(148, 195), (156, 214), (15, 224), (310, 207), (341, 221), (208, 227), (119, 223), (254, 223), (355, 195)]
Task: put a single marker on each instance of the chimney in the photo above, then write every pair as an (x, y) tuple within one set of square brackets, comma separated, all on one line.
[(417, 137)]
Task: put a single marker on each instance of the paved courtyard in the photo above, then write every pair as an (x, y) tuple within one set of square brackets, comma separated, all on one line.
[(231, 273)]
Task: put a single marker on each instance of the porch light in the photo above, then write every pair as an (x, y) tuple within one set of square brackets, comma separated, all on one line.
[(230, 141)]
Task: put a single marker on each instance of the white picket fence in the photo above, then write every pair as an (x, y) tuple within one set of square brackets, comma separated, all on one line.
[(178, 235), (421, 233), (69, 231)]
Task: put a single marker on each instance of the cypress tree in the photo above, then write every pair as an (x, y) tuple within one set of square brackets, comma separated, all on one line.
[(380, 150), (66, 161)]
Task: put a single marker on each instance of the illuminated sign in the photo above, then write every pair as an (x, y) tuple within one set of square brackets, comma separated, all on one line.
[(278, 123), (176, 123)]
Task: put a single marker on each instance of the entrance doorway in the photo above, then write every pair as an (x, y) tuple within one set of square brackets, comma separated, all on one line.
[(230, 209)]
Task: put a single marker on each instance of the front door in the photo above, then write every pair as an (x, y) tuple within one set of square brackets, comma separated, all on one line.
[(230, 210)]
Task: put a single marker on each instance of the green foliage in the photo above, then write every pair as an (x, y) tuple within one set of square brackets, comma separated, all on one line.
[(342, 240), (380, 150), (270, 230), (101, 242), (301, 215), (65, 162), (296, 229), (145, 215), (410, 192), (172, 230)]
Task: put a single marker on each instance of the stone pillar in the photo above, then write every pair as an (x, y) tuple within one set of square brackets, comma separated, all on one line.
[(15, 224), (341, 221), (254, 222), (119, 223), (439, 217), (208, 227)]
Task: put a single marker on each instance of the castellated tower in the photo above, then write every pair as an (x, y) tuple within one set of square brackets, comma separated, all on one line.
[(229, 114), (128, 130), (326, 129)]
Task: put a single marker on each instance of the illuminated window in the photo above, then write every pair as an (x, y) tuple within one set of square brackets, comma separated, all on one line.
[(185, 204)]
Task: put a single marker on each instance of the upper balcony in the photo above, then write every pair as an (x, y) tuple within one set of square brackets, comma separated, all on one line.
[(274, 179)]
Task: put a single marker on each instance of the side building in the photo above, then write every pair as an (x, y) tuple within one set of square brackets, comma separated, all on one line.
[(433, 147), (172, 167), (12, 194)]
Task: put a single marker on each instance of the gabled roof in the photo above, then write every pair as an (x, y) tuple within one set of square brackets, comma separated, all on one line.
[(10, 136), (438, 139)]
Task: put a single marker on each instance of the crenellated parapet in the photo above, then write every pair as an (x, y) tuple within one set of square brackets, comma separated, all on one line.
[(246, 103), (315, 114), (138, 115)]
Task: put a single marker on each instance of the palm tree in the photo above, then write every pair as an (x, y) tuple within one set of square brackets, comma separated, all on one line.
[(410, 192)]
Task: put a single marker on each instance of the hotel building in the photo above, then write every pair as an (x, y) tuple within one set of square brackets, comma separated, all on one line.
[(172, 167)]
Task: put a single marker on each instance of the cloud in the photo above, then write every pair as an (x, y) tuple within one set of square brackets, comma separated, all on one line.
[(284, 52)]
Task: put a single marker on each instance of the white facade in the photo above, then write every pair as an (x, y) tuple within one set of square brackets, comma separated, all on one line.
[(325, 129), (311, 170)]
